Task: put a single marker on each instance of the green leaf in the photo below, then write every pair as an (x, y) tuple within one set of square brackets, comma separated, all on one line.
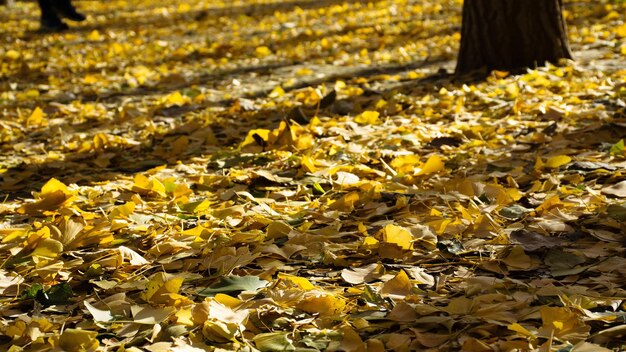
[(273, 341), (234, 285), (618, 148), (317, 343), (56, 295), (170, 187), (31, 293), (318, 188)]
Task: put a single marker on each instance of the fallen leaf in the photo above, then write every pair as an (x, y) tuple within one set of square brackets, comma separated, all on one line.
[(399, 286), (616, 190)]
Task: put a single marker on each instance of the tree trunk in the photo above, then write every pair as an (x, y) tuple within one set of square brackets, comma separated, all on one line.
[(511, 35)]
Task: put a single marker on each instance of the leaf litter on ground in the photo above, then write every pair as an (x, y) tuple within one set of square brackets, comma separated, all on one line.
[(254, 175)]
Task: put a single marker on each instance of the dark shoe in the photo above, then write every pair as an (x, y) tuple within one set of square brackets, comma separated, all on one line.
[(52, 24), (65, 9)]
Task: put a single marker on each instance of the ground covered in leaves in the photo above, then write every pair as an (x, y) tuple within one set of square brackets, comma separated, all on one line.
[(304, 176)]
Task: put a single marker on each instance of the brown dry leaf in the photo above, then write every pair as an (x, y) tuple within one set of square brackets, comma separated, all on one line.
[(402, 312), (351, 341), (616, 190)]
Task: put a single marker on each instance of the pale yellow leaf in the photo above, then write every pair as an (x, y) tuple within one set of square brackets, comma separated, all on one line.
[(557, 161)]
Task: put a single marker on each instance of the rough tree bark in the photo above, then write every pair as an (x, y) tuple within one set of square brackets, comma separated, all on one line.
[(511, 34)]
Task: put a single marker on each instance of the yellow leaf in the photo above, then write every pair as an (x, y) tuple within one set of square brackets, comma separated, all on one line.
[(228, 301), (398, 236), (183, 317), (277, 229), (563, 323), (405, 164), (522, 330), (277, 92), (54, 186), (514, 194), (54, 194), (182, 190), (123, 211), (262, 51), (433, 165), (94, 36), (12, 234), (347, 202), (35, 237), (370, 243), (283, 135), (322, 303), (91, 79), (304, 72), (12, 54), (199, 207), (305, 141), (220, 332), (146, 185), (557, 161), (75, 340), (32, 93), (16, 330), (400, 285), (512, 90), (175, 99), (101, 141), (549, 203), (260, 133), (37, 118), (160, 287), (298, 281), (307, 164), (415, 75), (368, 118), (435, 212), (199, 232), (48, 249), (621, 31)]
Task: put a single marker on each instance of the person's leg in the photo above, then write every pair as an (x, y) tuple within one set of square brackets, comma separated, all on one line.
[(65, 9), (49, 20)]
